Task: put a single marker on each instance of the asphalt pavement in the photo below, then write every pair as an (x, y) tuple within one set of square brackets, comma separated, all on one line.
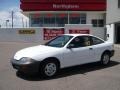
[(84, 77)]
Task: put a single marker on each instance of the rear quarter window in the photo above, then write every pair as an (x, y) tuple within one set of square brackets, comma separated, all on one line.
[(97, 41)]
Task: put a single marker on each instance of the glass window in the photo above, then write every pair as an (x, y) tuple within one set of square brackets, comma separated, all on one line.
[(96, 41), (61, 20), (101, 23), (77, 18), (82, 18), (98, 23), (94, 23), (35, 20), (59, 41), (80, 41), (49, 19), (74, 18)]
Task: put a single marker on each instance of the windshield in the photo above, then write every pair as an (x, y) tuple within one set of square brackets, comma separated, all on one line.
[(59, 41)]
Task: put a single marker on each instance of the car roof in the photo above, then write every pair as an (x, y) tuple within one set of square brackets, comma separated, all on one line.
[(79, 35), (75, 35)]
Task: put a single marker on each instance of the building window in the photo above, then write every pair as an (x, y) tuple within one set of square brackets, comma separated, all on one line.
[(98, 23), (74, 18), (82, 18), (57, 20), (61, 20), (77, 18), (118, 3), (94, 23), (37, 21), (49, 20)]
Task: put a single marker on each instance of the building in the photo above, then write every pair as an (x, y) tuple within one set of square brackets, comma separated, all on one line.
[(113, 20), (58, 13)]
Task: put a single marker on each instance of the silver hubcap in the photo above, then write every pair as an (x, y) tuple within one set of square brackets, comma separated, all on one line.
[(50, 69), (106, 59)]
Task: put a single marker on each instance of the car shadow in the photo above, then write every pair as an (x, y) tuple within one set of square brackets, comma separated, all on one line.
[(81, 69)]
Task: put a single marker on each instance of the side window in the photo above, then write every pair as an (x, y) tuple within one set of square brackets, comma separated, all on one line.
[(87, 41), (80, 41), (96, 41)]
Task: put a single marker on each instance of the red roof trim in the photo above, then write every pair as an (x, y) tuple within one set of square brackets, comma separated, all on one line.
[(63, 7)]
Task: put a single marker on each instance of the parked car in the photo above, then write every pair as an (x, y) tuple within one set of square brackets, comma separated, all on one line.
[(63, 51)]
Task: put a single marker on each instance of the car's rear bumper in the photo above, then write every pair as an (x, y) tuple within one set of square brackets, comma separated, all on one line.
[(32, 67)]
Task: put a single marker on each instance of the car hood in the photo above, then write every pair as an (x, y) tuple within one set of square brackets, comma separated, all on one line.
[(35, 51)]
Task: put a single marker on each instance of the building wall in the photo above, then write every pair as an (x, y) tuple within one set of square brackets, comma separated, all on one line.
[(100, 32), (111, 33), (14, 35), (113, 12), (94, 15)]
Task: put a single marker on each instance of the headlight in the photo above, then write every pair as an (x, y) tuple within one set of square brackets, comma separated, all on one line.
[(26, 60)]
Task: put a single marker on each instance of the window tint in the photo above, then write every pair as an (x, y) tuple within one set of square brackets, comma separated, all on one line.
[(59, 41), (80, 41), (96, 41)]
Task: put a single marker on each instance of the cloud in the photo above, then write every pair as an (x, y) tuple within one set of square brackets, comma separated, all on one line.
[(6, 18)]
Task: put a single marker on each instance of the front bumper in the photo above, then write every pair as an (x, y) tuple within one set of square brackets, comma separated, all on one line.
[(31, 67)]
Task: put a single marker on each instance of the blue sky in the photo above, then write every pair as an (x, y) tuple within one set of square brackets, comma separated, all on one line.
[(6, 6)]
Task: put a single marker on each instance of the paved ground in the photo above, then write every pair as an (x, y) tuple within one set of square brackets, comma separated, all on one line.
[(85, 77)]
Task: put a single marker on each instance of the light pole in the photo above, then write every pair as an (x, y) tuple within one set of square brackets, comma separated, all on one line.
[(12, 18), (0, 23), (7, 21)]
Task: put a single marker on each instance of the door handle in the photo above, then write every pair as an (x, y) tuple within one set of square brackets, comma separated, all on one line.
[(91, 48)]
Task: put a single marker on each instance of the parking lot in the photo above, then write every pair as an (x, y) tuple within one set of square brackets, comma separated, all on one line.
[(84, 77)]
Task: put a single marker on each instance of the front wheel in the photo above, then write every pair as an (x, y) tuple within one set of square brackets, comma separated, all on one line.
[(105, 59), (49, 69)]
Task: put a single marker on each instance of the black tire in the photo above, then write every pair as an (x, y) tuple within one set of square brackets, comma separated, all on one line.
[(105, 58), (49, 68)]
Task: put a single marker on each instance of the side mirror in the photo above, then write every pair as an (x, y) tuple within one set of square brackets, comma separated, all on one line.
[(70, 46)]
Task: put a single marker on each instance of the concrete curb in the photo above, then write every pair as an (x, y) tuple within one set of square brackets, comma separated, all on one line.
[(117, 45)]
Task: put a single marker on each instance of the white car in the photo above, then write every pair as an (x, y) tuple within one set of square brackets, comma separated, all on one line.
[(63, 51)]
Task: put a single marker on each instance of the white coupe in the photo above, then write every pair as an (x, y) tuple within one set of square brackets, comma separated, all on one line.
[(63, 51)]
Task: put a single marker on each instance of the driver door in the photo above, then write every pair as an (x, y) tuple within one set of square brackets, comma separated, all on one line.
[(79, 51)]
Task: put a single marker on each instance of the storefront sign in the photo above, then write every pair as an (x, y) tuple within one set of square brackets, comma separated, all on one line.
[(64, 6), (51, 33), (77, 31), (26, 31)]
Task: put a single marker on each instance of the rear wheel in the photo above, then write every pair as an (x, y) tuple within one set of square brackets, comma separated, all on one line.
[(49, 68), (105, 59)]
